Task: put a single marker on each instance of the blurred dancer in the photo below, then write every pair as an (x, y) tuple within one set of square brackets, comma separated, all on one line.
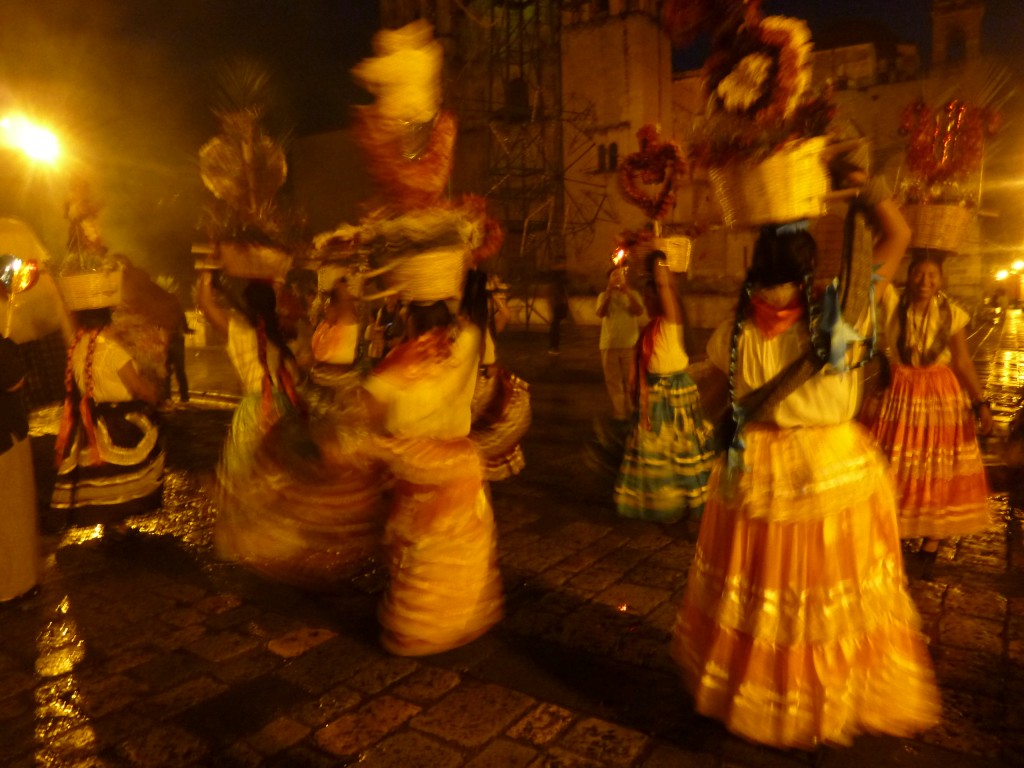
[(336, 338), (445, 588), (500, 408), (298, 501), (796, 628)]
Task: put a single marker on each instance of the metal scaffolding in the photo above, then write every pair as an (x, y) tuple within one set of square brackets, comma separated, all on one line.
[(504, 83)]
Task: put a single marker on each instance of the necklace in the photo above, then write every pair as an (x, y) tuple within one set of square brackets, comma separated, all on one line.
[(919, 322)]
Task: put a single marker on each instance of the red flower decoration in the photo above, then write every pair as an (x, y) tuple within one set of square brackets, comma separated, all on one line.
[(657, 162), (945, 146)]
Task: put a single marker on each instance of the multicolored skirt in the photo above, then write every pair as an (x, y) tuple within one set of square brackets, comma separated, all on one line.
[(665, 468), (445, 588), (924, 425), (796, 628), (501, 415), (122, 476)]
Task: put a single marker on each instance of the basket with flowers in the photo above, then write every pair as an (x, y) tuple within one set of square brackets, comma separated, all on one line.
[(244, 168), (945, 148), (764, 129), (89, 277)]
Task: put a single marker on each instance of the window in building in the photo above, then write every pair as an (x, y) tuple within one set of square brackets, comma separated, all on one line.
[(613, 156), (517, 100), (956, 47)]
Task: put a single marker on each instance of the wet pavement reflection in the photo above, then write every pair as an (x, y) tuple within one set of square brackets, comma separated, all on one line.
[(147, 651)]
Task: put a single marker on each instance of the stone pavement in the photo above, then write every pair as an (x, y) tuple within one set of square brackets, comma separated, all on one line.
[(149, 652)]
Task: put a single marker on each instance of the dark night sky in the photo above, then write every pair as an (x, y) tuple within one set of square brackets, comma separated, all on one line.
[(910, 20)]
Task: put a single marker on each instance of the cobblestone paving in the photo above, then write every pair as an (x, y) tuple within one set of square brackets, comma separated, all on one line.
[(149, 652)]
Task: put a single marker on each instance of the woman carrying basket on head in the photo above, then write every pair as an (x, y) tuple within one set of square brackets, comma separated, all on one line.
[(669, 451), (109, 456), (796, 628), (924, 420)]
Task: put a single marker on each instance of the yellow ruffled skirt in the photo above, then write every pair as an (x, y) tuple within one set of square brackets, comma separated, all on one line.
[(300, 504), (796, 628), (445, 588)]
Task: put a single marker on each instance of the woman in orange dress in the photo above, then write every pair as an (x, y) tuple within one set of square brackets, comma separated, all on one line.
[(796, 628), (923, 420)]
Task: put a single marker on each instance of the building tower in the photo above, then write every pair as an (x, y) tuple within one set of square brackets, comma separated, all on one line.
[(549, 95), (956, 31)]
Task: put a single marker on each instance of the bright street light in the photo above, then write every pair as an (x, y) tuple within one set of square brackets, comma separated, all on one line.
[(33, 140), (1002, 274), (1018, 265)]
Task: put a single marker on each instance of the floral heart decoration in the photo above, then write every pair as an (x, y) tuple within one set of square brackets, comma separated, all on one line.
[(657, 163)]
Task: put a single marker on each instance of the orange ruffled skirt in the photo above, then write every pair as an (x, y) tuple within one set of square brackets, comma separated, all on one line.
[(300, 504), (796, 628), (923, 424), (445, 588)]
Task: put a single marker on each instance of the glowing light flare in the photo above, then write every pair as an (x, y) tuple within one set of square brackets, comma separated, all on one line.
[(33, 140), (18, 275), (1018, 265), (1002, 274), (618, 256)]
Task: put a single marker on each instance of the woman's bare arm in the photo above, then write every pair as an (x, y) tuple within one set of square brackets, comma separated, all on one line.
[(211, 308), (968, 378)]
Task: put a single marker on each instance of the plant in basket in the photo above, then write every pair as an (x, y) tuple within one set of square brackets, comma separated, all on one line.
[(86, 251), (245, 168)]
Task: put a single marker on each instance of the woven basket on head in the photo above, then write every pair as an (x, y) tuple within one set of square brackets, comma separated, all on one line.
[(91, 290), (789, 185), (938, 226), (434, 275), (252, 260)]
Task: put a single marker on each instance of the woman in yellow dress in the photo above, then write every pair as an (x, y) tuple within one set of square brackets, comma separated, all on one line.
[(796, 628), (445, 588)]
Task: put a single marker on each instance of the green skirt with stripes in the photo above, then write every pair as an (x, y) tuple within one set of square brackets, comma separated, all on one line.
[(665, 467)]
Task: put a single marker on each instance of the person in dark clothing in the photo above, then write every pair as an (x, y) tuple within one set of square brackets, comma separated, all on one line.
[(559, 310), (176, 358)]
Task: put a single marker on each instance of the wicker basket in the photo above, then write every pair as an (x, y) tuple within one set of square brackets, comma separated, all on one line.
[(253, 261), (938, 226), (91, 290), (790, 184), (434, 275)]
